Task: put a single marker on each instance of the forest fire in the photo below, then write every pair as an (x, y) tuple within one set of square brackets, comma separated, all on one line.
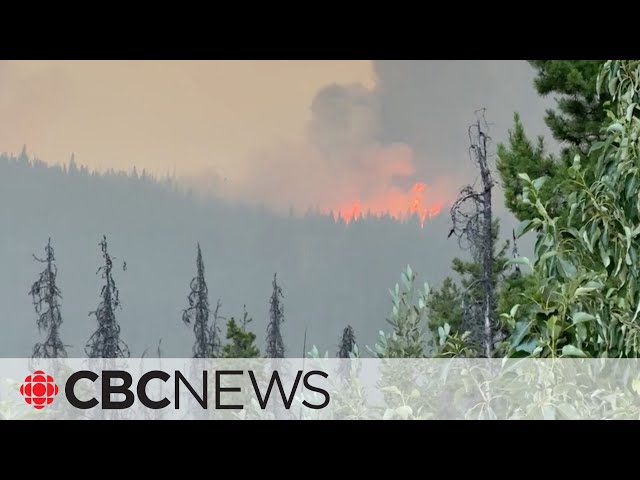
[(396, 204)]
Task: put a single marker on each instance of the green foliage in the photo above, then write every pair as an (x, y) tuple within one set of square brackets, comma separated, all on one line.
[(454, 344), (241, 340), (521, 155), (576, 123), (587, 299), (580, 114), (445, 306), (409, 337)]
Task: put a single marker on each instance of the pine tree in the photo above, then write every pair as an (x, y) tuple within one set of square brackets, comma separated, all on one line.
[(576, 124), (347, 343), (106, 342), (198, 311), (445, 306), (275, 345), (242, 340), (45, 294), (580, 114)]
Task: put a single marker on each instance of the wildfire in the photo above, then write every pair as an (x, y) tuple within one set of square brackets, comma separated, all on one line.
[(396, 204)]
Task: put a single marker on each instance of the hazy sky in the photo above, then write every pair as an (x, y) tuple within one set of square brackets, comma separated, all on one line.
[(337, 135)]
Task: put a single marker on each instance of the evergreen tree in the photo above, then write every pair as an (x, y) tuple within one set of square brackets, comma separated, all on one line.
[(521, 155), (275, 345), (106, 342), (198, 311), (445, 306), (242, 340), (347, 343), (576, 124), (45, 294), (580, 114)]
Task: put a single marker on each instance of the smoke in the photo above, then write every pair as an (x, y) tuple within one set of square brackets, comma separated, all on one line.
[(399, 145), (345, 136), (341, 165)]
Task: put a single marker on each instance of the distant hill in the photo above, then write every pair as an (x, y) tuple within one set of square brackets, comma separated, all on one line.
[(332, 275)]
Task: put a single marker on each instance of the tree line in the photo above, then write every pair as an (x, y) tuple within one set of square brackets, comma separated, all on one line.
[(106, 341)]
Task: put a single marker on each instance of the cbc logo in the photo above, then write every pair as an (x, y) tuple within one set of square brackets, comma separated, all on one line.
[(39, 389)]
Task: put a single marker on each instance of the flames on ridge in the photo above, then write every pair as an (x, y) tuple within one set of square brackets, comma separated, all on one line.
[(395, 204)]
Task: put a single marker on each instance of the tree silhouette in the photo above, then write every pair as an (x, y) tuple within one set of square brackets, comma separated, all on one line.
[(45, 294), (106, 342), (198, 312), (275, 345), (347, 342), (472, 219)]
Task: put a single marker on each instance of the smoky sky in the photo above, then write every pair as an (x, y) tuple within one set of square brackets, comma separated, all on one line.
[(371, 144), (286, 135)]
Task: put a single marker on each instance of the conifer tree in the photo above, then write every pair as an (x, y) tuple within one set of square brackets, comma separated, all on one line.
[(46, 294), (347, 342), (242, 340), (106, 342), (197, 314), (275, 344)]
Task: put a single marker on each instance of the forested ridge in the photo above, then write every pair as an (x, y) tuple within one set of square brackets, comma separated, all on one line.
[(331, 274)]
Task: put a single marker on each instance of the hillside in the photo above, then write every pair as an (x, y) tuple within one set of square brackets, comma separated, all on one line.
[(332, 274)]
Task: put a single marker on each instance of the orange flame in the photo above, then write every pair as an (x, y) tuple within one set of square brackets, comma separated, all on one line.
[(397, 205)]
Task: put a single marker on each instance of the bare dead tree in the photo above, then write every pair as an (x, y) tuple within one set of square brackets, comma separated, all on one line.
[(215, 334), (275, 344), (516, 272), (45, 295), (106, 342), (472, 219), (198, 311)]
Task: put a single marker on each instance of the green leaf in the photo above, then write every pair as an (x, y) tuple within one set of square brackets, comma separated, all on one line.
[(580, 317), (520, 261), (568, 267), (525, 177), (630, 186), (571, 351), (529, 346), (523, 227), (519, 332), (549, 254), (630, 109), (604, 256), (538, 182), (584, 291)]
